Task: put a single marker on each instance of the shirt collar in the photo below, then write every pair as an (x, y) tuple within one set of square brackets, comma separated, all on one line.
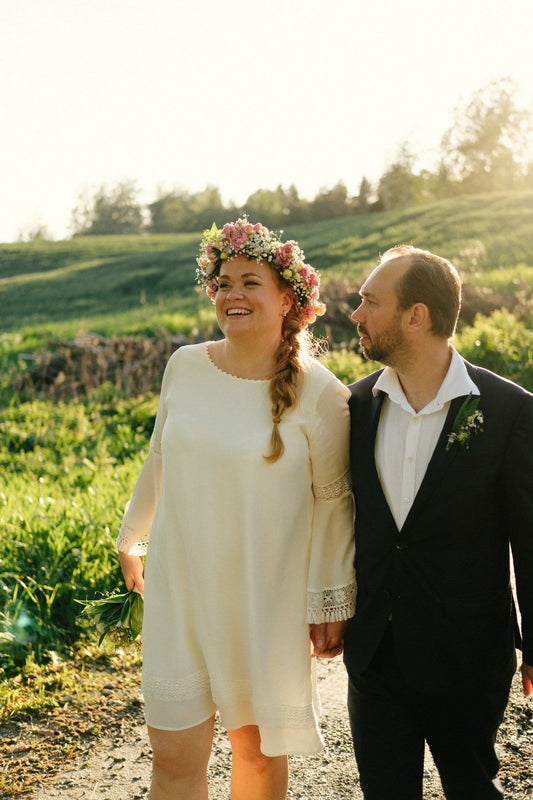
[(457, 382)]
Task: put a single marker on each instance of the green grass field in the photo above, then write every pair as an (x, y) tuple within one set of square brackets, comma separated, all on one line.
[(67, 469)]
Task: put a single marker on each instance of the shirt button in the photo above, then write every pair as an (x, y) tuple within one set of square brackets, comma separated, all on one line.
[(406, 499)]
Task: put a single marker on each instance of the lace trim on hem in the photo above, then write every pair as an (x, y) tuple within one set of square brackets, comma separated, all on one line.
[(198, 684), (335, 489), (271, 716), (175, 691), (127, 541), (331, 605), (286, 716)]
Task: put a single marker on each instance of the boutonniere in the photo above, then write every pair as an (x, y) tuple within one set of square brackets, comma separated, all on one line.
[(467, 423)]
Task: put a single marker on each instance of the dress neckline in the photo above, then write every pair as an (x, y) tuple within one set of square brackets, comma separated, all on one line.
[(230, 374)]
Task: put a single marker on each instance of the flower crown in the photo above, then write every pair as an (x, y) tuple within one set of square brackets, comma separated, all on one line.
[(258, 243)]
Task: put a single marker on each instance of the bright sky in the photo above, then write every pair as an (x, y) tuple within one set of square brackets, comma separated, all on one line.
[(239, 94)]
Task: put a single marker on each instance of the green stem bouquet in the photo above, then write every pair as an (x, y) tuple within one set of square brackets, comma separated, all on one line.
[(117, 615)]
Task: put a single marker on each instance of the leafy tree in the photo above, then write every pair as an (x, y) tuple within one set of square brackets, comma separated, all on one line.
[(170, 212), (109, 211), (206, 206), (486, 147), (363, 198), (267, 206), (397, 185), (331, 203), (295, 208), (35, 233), (178, 211)]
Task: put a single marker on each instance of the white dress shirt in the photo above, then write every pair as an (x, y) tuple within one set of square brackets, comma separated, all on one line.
[(406, 440)]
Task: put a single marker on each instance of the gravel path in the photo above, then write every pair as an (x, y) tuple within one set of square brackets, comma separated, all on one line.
[(118, 766)]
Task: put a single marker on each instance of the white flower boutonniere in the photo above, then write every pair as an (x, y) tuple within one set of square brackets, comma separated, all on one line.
[(467, 423)]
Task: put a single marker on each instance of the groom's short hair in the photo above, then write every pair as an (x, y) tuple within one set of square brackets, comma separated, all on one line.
[(431, 280)]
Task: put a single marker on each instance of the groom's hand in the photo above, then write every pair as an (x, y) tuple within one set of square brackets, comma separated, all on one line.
[(327, 638), (527, 679)]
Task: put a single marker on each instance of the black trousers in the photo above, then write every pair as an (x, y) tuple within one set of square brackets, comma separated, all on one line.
[(391, 722)]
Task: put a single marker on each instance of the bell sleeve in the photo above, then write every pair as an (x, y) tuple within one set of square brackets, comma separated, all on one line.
[(134, 531), (331, 586)]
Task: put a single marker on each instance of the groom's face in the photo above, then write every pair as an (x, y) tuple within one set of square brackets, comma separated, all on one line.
[(379, 318)]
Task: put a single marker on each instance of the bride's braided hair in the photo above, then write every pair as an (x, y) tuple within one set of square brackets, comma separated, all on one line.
[(297, 348)]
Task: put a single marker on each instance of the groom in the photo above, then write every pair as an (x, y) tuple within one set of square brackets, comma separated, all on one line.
[(442, 464)]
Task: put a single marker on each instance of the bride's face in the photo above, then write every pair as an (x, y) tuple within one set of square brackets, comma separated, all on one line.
[(249, 300)]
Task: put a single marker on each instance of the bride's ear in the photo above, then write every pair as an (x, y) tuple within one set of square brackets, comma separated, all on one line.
[(286, 304)]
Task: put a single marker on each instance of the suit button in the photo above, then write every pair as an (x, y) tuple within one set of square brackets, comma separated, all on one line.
[(401, 546)]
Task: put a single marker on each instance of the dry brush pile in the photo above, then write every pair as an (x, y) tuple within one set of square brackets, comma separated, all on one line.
[(134, 365)]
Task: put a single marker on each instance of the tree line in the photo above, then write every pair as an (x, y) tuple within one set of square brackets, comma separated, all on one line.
[(485, 149)]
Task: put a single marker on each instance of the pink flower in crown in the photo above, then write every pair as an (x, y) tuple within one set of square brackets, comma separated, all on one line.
[(206, 265), (284, 255), (238, 237), (308, 313), (306, 274), (210, 252)]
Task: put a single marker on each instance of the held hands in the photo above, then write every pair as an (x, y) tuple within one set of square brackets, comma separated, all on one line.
[(132, 569), (327, 637), (527, 679)]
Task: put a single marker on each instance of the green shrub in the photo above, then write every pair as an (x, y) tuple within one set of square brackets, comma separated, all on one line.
[(347, 365), (502, 344)]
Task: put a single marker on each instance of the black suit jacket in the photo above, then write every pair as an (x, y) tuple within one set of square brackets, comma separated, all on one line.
[(445, 576)]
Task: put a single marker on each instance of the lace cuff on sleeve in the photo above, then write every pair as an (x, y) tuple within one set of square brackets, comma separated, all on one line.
[(331, 605), (133, 542), (335, 489)]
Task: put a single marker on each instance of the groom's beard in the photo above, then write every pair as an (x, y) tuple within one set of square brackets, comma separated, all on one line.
[(388, 347)]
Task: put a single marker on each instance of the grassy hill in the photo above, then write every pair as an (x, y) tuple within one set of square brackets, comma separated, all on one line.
[(141, 284)]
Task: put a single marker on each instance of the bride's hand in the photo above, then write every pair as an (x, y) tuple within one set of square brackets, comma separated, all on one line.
[(327, 638), (132, 569)]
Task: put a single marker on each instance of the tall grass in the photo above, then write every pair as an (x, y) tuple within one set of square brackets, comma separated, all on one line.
[(67, 470)]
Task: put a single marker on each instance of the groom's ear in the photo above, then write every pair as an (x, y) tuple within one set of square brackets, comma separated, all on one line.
[(417, 318)]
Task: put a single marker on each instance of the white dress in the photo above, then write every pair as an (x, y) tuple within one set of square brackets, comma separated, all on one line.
[(243, 554)]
